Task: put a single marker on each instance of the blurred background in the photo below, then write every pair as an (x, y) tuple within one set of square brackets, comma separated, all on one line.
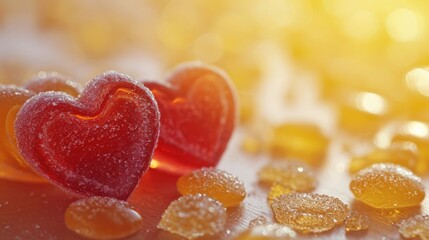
[(361, 61)]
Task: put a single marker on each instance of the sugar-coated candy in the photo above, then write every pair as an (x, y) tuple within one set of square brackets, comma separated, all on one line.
[(309, 212), (12, 165), (102, 218), (98, 144), (198, 115), (268, 231), (356, 222), (52, 81), (404, 154), (193, 216), (295, 175), (302, 141), (387, 185), (417, 226), (215, 183)]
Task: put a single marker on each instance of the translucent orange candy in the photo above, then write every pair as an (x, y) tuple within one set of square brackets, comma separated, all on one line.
[(194, 216), (102, 218), (309, 212), (356, 222), (217, 184), (295, 175), (12, 165), (270, 231), (415, 226), (415, 132), (387, 185), (302, 141), (404, 154)]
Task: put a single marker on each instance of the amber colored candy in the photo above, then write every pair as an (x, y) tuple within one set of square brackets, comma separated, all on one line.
[(356, 222), (52, 81), (215, 183), (99, 144), (12, 165), (291, 174), (309, 212), (404, 154), (387, 185), (195, 100), (259, 220), (417, 226), (416, 132), (302, 141), (102, 218), (193, 216), (278, 189), (271, 231)]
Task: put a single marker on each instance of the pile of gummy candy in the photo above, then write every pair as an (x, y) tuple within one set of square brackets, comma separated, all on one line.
[(98, 142)]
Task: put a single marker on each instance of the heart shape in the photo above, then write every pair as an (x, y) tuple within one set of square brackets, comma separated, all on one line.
[(198, 115), (12, 165), (98, 144)]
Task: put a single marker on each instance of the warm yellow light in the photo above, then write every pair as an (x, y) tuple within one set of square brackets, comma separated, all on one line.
[(371, 102), (208, 47), (404, 25), (418, 80), (154, 164), (417, 129), (362, 25)]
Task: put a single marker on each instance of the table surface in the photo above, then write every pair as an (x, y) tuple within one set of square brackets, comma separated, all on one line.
[(36, 211)]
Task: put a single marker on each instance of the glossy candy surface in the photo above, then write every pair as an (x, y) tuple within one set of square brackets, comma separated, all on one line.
[(99, 144), (198, 114), (194, 216), (102, 218), (387, 185), (309, 212), (12, 165), (217, 184)]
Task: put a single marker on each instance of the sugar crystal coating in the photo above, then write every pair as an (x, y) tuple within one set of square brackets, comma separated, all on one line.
[(258, 221), (293, 174), (356, 222), (193, 216), (215, 183), (417, 226), (387, 185), (309, 212), (303, 141), (195, 100), (98, 144), (102, 218), (270, 231)]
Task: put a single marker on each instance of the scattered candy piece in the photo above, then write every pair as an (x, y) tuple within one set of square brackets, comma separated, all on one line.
[(417, 226), (356, 222), (193, 216), (309, 212), (198, 115), (278, 189), (12, 165), (99, 144), (404, 154), (217, 184), (52, 81), (260, 220), (102, 218), (302, 141), (270, 231), (387, 185), (415, 132), (291, 174)]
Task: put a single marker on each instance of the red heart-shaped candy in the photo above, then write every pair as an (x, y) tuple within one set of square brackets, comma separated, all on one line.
[(198, 115), (98, 144)]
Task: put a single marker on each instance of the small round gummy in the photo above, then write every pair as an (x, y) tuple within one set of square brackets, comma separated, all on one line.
[(102, 218)]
